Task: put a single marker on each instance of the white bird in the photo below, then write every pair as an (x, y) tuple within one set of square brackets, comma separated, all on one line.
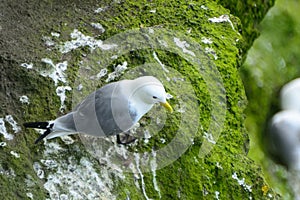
[(290, 95), (284, 134), (110, 110), (284, 138), (284, 128)]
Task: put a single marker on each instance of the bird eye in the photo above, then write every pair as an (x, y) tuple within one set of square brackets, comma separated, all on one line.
[(154, 97)]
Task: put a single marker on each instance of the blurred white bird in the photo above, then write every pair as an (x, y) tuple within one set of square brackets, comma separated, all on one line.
[(290, 95), (283, 136), (284, 128)]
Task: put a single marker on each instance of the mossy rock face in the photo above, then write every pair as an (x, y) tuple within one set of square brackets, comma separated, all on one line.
[(250, 13), (206, 35)]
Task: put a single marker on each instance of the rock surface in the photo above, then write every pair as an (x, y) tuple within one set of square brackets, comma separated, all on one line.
[(46, 49)]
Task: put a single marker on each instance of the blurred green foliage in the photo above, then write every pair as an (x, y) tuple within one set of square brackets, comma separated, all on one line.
[(271, 62)]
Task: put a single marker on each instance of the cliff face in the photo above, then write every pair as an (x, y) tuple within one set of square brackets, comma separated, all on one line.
[(54, 53)]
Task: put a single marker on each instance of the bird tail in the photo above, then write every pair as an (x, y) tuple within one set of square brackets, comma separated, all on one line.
[(40, 125)]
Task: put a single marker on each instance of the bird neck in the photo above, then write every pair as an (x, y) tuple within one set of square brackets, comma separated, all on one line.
[(141, 108)]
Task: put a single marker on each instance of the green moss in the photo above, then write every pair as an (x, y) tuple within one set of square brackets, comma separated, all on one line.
[(191, 176), (251, 13), (187, 178)]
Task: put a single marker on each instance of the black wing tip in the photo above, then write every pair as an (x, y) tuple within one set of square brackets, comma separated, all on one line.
[(47, 132), (40, 125), (37, 140)]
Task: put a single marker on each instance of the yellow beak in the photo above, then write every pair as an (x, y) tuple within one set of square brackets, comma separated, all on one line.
[(167, 106)]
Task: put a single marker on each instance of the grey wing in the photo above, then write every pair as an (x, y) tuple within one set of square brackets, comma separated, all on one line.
[(112, 110), (103, 113), (104, 110)]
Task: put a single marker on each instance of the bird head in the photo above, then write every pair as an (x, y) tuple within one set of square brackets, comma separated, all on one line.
[(151, 91)]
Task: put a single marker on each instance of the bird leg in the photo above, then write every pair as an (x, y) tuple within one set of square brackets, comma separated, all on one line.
[(125, 139)]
